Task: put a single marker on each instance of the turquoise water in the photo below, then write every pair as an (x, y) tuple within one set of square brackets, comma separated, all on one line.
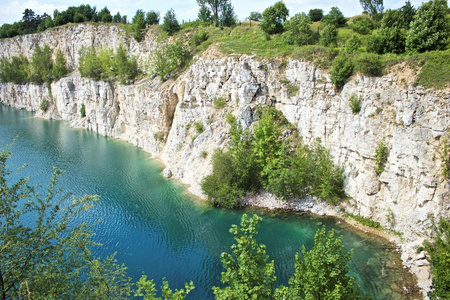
[(156, 228)]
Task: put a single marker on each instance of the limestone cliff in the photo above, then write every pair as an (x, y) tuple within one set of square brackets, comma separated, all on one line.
[(159, 117)]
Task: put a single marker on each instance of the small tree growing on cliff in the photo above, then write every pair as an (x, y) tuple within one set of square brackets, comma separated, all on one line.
[(170, 24)]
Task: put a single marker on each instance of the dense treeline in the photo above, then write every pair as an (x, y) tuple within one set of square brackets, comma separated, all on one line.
[(41, 68), (271, 157), (32, 23)]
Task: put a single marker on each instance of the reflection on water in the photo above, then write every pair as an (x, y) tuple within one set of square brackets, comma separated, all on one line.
[(156, 228)]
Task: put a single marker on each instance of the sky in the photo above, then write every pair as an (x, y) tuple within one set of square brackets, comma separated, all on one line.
[(11, 10)]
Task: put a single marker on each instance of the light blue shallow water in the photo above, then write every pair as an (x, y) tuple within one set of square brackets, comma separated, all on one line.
[(156, 228)]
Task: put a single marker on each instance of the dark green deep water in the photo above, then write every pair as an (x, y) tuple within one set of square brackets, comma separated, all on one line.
[(156, 228)]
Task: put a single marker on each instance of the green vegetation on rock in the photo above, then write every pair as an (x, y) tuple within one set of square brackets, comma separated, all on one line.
[(263, 159)]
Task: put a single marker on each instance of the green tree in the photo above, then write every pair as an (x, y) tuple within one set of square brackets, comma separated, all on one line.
[(51, 257), (248, 274), (152, 18), (89, 65), (214, 6), (222, 186), (117, 18), (41, 64), (204, 14), (353, 43), (328, 36), (342, 69), (408, 12), (334, 17), (429, 29), (439, 257), (373, 7), (274, 17), (60, 66), (16, 70), (298, 30), (255, 16), (227, 16), (392, 36), (138, 24), (362, 25), (125, 68), (322, 273), (105, 15), (315, 14), (170, 24), (167, 58)]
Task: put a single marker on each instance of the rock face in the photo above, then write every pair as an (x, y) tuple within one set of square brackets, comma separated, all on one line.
[(406, 197)]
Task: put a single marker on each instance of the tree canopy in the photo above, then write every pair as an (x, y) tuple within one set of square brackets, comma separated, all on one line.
[(273, 18)]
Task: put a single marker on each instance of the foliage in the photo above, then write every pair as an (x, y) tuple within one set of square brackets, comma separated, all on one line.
[(381, 154), (104, 15), (248, 274), (298, 30), (89, 65), (51, 256), (429, 29), (439, 257), (138, 25), (255, 16), (355, 104), (391, 33), (147, 290), (41, 64), (274, 17), (322, 273), (124, 68), (408, 12), (204, 14), (222, 186), (44, 105), (435, 71), (198, 126), (170, 24), (16, 70), (219, 102), (362, 25), (199, 37), (444, 151), (374, 44), (152, 18), (328, 36), (353, 43), (334, 17), (227, 17), (342, 69), (264, 159), (59, 66), (365, 221), (373, 7), (82, 110), (315, 14), (369, 64), (215, 6), (168, 58), (105, 64)]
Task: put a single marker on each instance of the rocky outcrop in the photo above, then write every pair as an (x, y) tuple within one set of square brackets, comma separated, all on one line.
[(406, 197)]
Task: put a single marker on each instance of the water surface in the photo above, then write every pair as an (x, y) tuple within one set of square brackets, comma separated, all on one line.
[(156, 228)]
